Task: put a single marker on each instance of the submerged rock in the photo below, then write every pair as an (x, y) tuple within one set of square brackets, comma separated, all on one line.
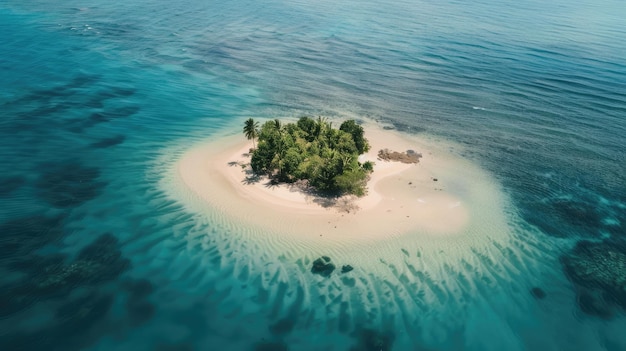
[(593, 305), (323, 266), (410, 156), (346, 268), (538, 293), (372, 340)]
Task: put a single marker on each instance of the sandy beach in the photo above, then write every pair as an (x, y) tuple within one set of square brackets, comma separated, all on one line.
[(401, 198)]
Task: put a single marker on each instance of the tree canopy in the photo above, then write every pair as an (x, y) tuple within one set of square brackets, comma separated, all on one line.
[(312, 150)]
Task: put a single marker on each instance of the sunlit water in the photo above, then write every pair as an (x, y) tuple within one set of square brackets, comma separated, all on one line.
[(99, 99)]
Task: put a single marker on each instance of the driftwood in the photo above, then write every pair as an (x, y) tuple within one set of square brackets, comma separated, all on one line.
[(409, 156)]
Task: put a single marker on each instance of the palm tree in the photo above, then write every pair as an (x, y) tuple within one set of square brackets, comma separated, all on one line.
[(346, 160), (322, 123), (250, 130), (278, 125)]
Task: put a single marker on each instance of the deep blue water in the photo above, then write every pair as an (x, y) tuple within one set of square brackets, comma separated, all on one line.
[(94, 256)]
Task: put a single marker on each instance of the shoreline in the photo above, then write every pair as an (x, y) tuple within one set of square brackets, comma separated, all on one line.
[(401, 198)]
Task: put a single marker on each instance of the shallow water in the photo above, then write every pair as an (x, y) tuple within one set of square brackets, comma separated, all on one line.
[(98, 99)]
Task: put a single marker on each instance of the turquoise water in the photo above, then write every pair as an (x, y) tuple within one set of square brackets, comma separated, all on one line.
[(97, 98)]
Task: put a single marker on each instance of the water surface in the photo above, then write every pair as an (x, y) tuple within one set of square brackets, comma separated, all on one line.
[(98, 98)]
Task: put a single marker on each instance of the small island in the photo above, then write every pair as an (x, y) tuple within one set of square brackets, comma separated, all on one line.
[(307, 181), (312, 152)]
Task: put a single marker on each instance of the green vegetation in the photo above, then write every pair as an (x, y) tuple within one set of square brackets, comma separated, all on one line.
[(250, 129), (311, 150)]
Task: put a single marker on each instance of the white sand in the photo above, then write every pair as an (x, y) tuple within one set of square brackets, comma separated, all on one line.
[(401, 199)]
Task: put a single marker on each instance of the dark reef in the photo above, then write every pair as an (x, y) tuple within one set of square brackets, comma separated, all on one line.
[(68, 184), (598, 271), (21, 236), (323, 267), (346, 268), (41, 273), (108, 142)]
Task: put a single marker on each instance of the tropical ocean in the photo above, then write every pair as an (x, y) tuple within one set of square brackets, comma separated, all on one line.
[(98, 99)]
